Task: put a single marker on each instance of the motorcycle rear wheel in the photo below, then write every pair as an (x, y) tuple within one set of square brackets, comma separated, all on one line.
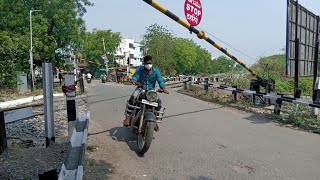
[(145, 139)]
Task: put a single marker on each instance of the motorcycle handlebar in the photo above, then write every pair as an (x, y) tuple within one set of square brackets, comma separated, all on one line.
[(142, 85), (161, 91), (138, 84)]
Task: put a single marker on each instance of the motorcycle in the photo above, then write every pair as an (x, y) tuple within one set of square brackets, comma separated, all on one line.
[(104, 78), (89, 80), (144, 117)]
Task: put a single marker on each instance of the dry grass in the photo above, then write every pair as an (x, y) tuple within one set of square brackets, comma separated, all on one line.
[(300, 117), (13, 94)]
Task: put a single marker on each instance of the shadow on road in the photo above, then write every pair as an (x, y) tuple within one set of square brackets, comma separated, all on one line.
[(191, 112), (92, 95), (123, 134), (200, 178), (258, 119), (109, 99), (97, 169)]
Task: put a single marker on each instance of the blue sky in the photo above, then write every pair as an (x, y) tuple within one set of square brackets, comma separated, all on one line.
[(256, 27)]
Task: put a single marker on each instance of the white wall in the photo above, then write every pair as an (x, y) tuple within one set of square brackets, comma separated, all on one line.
[(128, 48)]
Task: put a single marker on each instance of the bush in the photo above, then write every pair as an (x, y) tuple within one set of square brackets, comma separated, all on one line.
[(240, 81), (300, 117), (286, 86)]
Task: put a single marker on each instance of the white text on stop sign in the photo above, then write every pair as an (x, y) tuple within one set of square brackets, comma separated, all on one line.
[(195, 3), (193, 9)]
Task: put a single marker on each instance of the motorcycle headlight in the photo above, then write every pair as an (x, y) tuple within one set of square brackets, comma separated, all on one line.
[(152, 96)]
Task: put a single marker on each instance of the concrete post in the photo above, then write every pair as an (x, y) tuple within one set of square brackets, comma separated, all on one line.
[(47, 82), (71, 104)]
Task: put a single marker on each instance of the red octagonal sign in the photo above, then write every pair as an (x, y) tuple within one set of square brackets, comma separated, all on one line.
[(193, 11)]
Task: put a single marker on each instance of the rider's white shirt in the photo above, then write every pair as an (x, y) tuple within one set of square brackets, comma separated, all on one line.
[(89, 75)]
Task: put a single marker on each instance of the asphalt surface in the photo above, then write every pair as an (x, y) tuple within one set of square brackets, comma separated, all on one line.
[(197, 140)]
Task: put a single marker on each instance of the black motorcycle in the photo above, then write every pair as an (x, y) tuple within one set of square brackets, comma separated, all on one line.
[(144, 117)]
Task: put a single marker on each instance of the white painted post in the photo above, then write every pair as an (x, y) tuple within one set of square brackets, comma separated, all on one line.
[(315, 110), (71, 104)]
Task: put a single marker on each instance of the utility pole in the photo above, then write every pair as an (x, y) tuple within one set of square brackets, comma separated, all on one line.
[(128, 61), (105, 54), (104, 47), (31, 49)]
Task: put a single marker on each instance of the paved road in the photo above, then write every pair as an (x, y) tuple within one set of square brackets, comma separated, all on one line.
[(197, 140)]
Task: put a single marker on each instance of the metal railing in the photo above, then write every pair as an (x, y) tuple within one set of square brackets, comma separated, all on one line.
[(277, 99)]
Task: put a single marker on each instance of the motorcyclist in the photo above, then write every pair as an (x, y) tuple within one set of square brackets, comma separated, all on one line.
[(103, 77), (89, 75), (148, 76)]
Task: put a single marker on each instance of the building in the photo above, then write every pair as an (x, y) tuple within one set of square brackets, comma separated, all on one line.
[(128, 48)]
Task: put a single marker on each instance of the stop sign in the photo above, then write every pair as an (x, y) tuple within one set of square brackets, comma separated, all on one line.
[(193, 11)]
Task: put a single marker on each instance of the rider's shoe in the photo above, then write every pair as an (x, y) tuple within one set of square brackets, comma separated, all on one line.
[(126, 122), (156, 128)]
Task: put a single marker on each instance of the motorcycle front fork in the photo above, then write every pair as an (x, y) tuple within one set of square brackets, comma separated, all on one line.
[(141, 118)]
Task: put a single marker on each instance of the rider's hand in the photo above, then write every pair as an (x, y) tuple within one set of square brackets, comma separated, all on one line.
[(134, 82), (165, 90)]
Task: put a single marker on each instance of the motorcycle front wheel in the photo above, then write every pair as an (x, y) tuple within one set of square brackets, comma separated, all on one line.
[(145, 138)]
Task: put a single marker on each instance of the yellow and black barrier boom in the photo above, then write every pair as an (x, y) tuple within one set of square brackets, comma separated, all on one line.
[(200, 34)]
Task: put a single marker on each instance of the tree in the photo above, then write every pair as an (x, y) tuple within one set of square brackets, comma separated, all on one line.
[(174, 55), (223, 64), (10, 51), (159, 42), (93, 48), (203, 62), (274, 66), (185, 54), (58, 25)]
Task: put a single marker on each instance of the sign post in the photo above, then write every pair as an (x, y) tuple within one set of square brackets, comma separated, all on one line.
[(193, 11)]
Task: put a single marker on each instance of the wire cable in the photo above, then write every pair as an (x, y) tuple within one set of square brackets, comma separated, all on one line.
[(229, 45)]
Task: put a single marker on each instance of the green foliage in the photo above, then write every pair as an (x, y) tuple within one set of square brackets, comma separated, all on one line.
[(274, 67), (159, 42), (238, 80), (12, 61), (185, 55), (93, 48), (287, 85), (300, 117), (174, 55), (59, 24), (203, 61), (91, 148), (223, 64)]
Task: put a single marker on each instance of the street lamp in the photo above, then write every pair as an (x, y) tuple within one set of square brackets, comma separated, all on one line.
[(31, 53)]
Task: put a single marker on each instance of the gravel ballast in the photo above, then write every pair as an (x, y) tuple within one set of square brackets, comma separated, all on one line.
[(27, 155)]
